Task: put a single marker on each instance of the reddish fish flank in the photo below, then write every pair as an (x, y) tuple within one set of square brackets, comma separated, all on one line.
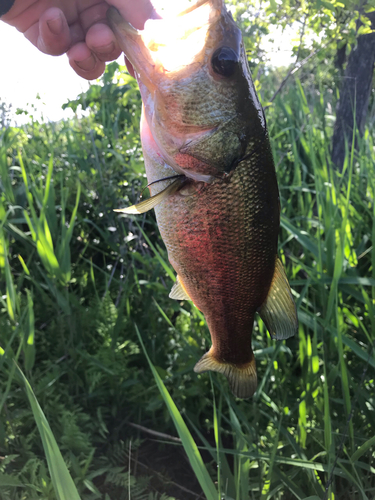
[(219, 218)]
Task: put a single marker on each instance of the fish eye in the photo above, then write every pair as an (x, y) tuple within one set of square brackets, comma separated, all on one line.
[(224, 61)]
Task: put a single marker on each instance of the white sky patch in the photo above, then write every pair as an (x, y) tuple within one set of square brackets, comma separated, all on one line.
[(278, 46), (26, 72)]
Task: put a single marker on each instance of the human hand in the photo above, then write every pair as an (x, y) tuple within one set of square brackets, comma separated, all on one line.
[(76, 27)]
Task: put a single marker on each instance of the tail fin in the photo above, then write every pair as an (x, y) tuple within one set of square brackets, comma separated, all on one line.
[(242, 379)]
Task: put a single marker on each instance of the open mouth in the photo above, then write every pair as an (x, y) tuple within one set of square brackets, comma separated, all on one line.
[(166, 45)]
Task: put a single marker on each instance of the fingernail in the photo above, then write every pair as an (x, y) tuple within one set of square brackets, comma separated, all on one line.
[(105, 49), (87, 64), (55, 25)]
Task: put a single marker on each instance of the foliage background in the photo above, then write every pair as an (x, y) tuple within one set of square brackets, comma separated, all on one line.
[(76, 280)]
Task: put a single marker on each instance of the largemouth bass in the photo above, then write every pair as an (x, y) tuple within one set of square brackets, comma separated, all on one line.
[(204, 137)]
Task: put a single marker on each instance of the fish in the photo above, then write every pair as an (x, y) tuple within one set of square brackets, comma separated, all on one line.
[(212, 180)]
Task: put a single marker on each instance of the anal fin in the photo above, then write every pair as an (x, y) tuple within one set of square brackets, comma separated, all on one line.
[(178, 291), (278, 311), (242, 378)]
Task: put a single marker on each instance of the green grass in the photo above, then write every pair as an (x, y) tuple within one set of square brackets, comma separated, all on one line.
[(86, 316), (62, 482)]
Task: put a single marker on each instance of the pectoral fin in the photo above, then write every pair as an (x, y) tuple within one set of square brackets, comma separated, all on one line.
[(242, 379), (146, 205), (278, 311), (178, 291)]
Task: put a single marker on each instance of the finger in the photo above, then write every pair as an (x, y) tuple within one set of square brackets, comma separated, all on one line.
[(76, 33), (136, 13), (84, 62), (54, 36), (93, 15), (102, 41)]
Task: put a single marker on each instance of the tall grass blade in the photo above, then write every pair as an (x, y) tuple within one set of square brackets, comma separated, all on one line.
[(188, 442), (362, 449), (217, 441), (63, 484)]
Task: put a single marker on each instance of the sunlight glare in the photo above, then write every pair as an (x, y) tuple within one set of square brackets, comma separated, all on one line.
[(176, 41)]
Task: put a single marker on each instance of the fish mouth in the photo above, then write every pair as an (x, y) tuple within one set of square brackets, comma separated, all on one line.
[(169, 45)]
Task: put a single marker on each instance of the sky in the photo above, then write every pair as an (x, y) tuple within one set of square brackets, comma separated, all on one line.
[(26, 72)]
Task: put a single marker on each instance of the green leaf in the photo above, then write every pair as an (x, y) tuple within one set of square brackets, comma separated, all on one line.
[(63, 484), (302, 238), (9, 480), (29, 332), (362, 449)]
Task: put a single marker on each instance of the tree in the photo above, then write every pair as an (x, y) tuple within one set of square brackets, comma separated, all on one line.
[(328, 30), (355, 93)]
